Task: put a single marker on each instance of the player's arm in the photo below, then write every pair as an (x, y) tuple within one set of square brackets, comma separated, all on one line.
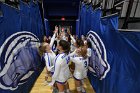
[(72, 38), (53, 37), (89, 52), (76, 60), (48, 62), (72, 54)]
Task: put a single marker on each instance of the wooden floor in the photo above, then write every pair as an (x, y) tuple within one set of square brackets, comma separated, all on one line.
[(39, 86)]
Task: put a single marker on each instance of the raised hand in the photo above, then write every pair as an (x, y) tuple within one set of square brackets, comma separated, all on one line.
[(68, 31), (56, 29)]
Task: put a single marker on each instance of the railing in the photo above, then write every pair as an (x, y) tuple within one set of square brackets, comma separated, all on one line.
[(126, 9)]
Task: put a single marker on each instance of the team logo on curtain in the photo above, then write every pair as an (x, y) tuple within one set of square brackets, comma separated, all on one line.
[(18, 56), (98, 62)]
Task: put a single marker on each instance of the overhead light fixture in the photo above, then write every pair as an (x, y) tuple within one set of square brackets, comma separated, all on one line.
[(63, 19)]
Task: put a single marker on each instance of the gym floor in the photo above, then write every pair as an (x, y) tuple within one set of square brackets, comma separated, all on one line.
[(39, 86)]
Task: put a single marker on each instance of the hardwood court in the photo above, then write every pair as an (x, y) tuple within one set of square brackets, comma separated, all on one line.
[(40, 88)]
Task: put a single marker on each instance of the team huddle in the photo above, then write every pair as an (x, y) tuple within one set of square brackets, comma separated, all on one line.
[(69, 59)]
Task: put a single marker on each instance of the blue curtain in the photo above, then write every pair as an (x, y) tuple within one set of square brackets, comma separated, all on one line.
[(88, 19), (114, 65), (77, 26), (123, 56), (95, 20), (36, 21), (25, 16), (8, 23), (20, 32), (132, 38), (82, 22), (47, 27)]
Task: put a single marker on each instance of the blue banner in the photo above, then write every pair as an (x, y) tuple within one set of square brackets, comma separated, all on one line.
[(88, 19), (25, 16), (6, 20), (20, 37), (82, 22), (114, 65), (36, 20), (95, 20)]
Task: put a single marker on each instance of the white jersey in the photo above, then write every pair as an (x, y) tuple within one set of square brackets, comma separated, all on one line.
[(49, 57), (73, 54), (89, 52), (72, 38), (81, 67), (61, 69), (63, 38), (72, 47), (49, 60), (72, 43)]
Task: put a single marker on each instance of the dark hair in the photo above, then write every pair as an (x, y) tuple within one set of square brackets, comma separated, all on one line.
[(84, 52), (79, 42), (69, 39), (65, 45)]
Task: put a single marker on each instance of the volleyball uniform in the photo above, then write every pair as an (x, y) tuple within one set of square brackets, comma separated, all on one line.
[(49, 57), (54, 47), (81, 67), (63, 38), (72, 38), (61, 69), (72, 47), (52, 40), (49, 61), (72, 43), (89, 52), (73, 54)]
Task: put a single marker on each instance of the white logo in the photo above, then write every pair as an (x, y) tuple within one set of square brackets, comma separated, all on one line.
[(17, 59), (98, 62)]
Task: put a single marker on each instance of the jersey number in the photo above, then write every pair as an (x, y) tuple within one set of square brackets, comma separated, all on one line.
[(86, 64)]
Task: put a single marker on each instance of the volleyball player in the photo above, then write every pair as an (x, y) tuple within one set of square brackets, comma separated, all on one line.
[(81, 67), (61, 69), (49, 56)]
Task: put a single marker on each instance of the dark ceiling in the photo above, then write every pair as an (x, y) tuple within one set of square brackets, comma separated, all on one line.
[(61, 8)]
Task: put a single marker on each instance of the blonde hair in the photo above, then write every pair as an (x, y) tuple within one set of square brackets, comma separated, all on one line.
[(42, 48)]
